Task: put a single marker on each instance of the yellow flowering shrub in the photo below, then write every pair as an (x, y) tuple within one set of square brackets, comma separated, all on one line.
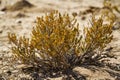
[(56, 42)]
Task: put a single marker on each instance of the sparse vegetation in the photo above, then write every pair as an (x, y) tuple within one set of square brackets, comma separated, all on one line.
[(56, 42)]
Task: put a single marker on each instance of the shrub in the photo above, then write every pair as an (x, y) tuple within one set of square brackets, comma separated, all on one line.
[(56, 42), (54, 37), (108, 10), (96, 39)]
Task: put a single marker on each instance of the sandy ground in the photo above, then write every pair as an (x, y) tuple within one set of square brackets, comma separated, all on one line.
[(22, 21)]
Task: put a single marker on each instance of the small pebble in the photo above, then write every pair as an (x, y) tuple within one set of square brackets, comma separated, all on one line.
[(116, 26), (74, 14), (1, 58), (36, 76), (18, 21), (83, 17), (9, 72), (1, 31), (15, 71), (19, 15)]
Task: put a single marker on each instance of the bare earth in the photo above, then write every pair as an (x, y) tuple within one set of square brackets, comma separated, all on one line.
[(21, 19)]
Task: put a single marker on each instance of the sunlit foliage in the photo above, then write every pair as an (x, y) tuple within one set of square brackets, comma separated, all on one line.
[(56, 42)]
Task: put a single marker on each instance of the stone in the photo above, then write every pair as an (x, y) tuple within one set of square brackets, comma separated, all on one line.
[(94, 74), (9, 72), (116, 26), (20, 66)]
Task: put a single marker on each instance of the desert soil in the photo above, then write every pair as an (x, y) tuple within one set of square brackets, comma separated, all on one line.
[(21, 18)]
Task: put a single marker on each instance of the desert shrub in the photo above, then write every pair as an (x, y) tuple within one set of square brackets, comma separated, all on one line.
[(108, 10), (56, 42), (54, 37), (108, 4), (96, 39)]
